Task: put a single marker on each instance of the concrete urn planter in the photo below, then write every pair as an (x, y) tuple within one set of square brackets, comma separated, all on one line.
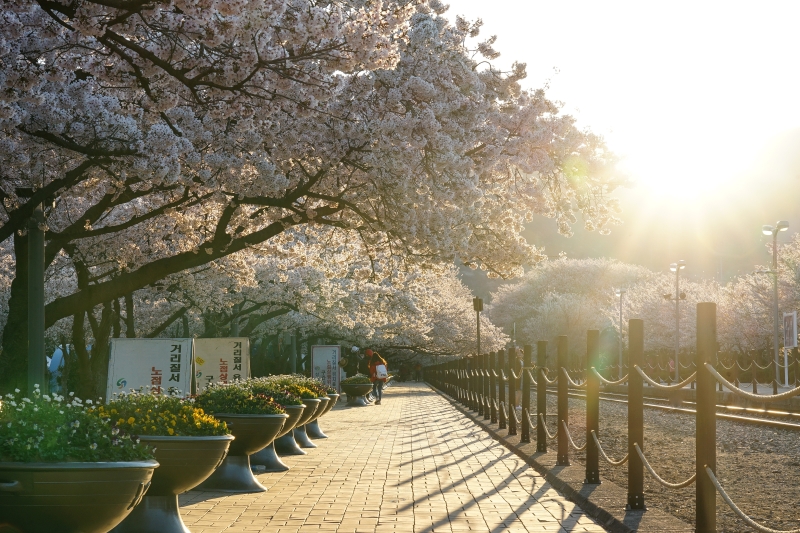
[(252, 432), (71, 497), (185, 463)]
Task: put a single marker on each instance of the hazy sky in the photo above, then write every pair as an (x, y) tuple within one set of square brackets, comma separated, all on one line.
[(701, 99)]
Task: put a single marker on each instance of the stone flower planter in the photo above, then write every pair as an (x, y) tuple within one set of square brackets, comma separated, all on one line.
[(356, 393), (252, 432), (300, 435), (268, 456), (286, 445), (185, 463), (312, 428), (71, 497)]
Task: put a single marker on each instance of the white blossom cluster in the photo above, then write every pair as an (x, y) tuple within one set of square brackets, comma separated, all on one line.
[(199, 154)]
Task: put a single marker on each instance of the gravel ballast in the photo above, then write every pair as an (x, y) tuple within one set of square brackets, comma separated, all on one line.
[(757, 466)]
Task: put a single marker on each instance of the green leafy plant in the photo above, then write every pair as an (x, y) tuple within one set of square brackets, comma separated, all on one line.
[(278, 393), (358, 379), (300, 385), (159, 414), (236, 398), (53, 428)]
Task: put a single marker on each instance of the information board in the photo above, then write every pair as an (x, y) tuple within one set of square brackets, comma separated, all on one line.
[(790, 330), (325, 365), (150, 364), (221, 360)]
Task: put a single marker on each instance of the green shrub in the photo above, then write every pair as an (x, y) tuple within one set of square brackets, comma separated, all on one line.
[(358, 379)]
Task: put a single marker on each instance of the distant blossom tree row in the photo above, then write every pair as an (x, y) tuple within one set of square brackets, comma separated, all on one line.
[(571, 296)]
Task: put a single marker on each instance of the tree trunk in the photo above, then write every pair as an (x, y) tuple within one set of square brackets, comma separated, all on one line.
[(117, 319), (14, 356), (130, 318), (83, 389), (100, 351)]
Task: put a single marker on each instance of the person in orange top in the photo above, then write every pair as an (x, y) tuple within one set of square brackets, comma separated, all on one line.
[(377, 375)]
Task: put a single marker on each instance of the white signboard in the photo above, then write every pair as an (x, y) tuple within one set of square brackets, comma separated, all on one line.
[(151, 364), (221, 360), (325, 365), (790, 330)]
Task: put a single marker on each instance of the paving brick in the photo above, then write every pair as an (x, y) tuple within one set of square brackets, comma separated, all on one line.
[(412, 464)]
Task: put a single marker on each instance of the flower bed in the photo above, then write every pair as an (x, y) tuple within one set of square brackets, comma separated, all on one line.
[(237, 398), (53, 428), (150, 414)]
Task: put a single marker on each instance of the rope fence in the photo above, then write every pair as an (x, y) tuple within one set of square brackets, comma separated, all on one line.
[(623, 379), (551, 436), (569, 438), (747, 520), (658, 478), (606, 457), (492, 385)]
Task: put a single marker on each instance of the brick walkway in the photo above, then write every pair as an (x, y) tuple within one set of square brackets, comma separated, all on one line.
[(413, 464)]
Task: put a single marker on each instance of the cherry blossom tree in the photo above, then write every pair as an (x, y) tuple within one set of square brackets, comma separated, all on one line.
[(563, 297), (170, 136)]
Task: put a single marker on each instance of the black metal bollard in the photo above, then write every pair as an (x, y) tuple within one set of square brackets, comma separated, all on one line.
[(706, 419), (563, 402), (501, 424), (492, 387), (525, 434), (541, 396), (592, 406), (635, 414)]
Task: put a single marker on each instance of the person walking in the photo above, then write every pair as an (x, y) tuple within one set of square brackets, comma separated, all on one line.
[(378, 373), (363, 362)]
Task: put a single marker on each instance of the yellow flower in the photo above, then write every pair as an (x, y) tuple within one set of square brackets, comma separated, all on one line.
[(131, 420), (171, 431)]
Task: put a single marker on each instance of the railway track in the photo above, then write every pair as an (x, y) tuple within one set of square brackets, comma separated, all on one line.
[(779, 419)]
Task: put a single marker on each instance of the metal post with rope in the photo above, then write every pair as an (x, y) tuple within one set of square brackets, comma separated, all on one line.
[(562, 458), (486, 387), (525, 433), (592, 405), (706, 419), (492, 388), (635, 414), (541, 396), (502, 386)]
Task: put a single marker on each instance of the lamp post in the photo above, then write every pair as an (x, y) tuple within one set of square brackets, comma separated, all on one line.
[(620, 293), (781, 225), (477, 304), (677, 267)]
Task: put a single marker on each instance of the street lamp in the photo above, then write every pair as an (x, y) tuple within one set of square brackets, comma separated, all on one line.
[(620, 293), (781, 225), (477, 304), (677, 267)]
